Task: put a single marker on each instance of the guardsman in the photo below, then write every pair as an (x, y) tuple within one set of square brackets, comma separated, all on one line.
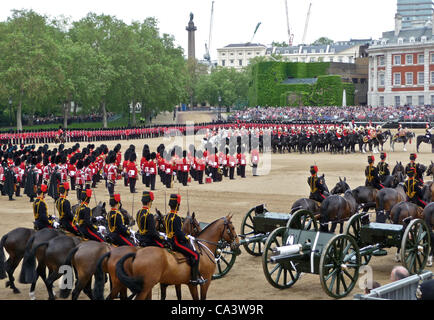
[(383, 167), (63, 206), (255, 158), (147, 235), (412, 164), (241, 160), (120, 234), (317, 190), (180, 241), (40, 211), (413, 188), (132, 172), (84, 218), (371, 174), (152, 165), (112, 172), (200, 166)]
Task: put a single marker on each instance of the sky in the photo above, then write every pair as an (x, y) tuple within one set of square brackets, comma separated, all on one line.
[(234, 20)]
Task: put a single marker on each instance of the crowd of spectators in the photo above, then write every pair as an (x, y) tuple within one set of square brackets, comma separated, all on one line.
[(334, 113), (53, 119)]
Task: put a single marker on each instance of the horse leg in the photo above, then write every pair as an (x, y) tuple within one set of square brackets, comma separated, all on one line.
[(10, 266), (193, 291), (52, 276), (341, 230), (87, 290), (333, 228), (163, 291)]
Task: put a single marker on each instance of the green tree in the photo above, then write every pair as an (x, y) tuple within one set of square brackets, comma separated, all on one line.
[(323, 41)]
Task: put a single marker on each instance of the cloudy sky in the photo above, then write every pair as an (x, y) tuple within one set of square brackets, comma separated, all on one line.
[(234, 20)]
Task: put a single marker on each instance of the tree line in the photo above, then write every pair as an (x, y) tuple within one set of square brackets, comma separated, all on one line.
[(101, 64)]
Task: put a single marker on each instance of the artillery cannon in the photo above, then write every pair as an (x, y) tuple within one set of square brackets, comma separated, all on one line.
[(301, 248)]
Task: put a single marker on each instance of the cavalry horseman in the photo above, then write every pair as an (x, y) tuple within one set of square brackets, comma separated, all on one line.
[(383, 167), (180, 241), (84, 217), (371, 174), (40, 211), (413, 189), (147, 234), (120, 234), (317, 190), (413, 165), (63, 206)]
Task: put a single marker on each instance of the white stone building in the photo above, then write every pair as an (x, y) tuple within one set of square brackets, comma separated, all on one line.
[(238, 55)]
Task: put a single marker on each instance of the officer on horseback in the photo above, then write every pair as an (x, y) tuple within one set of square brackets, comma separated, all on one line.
[(40, 211), (413, 188), (371, 173), (84, 218), (120, 234), (412, 164), (63, 206), (180, 241), (147, 233), (383, 167), (317, 190)]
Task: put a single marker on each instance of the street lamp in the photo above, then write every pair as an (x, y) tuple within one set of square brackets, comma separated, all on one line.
[(10, 112), (220, 108)]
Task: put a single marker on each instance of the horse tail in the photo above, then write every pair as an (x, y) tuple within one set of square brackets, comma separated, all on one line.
[(323, 209), (397, 214), (2, 257), (380, 203), (28, 269), (98, 290), (135, 284), (427, 218), (27, 251), (64, 293)]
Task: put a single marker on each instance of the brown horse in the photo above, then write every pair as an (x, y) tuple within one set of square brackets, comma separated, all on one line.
[(152, 265), (428, 214), (403, 210), (14, 242), (428, 192), (305, 204), (386, 199), (107, 262), (336, 209)]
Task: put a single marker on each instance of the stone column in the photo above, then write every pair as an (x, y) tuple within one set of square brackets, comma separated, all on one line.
[(191, 28)]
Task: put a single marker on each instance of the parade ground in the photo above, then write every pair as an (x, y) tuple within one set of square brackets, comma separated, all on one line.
[(284, 184)]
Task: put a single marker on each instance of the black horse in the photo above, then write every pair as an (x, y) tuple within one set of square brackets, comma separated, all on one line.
[(429, 139), (402, 139)]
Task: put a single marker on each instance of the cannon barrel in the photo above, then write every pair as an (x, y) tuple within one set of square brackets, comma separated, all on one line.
[(288, 252)]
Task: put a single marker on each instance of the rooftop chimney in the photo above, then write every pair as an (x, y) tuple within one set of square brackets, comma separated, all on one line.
[(398, 24)]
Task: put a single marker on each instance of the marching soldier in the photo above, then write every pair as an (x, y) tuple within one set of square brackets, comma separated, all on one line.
[(412, 164), (132, 172), (383, 167), (317, 190), (152, 165), (413, 188), (63, 206), (112, 172), (180, 241), (371, 173), (84, 218), (40, 211), (120, 234), (147, 234)]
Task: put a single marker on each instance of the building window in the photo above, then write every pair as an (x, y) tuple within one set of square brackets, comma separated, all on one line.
[(277, 51), (240, 62), (321, 50), (421, 100), (341, 59), (409, 100), (332, 59), (397, 60), (232, 61), (409, 78), (249, 53), (420, 59), (232, 53), (423, 39), (305, 51), (295, 60), (381, 103), (409, 59), (420, 78), (381, 80), (295, 51), (432, 100), (320, 59), (312, 60), (397, 79), (223, 63), (313, 51), (257, 53), (397, 101), (381, 61), (223, 54), (432, 57), (432, 77), (240, 53)]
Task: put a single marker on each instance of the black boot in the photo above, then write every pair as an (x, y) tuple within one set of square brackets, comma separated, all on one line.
[(196, 278)]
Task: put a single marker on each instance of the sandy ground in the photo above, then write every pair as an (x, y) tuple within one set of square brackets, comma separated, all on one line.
[(285, 183)]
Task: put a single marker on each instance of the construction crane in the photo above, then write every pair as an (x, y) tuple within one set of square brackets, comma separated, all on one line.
[(306, 24), (207, 55), (256, 30), (290, 35)]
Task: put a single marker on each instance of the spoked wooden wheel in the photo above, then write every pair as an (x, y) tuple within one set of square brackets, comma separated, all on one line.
[(248, 230), (278, 275), (353, 229), (225, 260), (339, 266), (302, 220), (415, 246)]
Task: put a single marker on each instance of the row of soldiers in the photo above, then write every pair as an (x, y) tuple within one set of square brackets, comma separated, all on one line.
[(81, 222)]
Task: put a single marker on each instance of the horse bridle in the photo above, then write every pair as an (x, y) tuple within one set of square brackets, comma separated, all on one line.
[(226, 227)]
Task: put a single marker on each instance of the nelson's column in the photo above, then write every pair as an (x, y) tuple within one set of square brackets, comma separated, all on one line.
[(191, 28)]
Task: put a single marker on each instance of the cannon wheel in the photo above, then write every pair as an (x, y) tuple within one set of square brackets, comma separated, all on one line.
[(225, 260), (415, 246), (339, 266), (353, 229), (248, 229), (302, 220), (278, 276)]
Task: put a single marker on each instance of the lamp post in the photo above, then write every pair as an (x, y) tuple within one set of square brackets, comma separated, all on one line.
[(10, 112), (220, 108)]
